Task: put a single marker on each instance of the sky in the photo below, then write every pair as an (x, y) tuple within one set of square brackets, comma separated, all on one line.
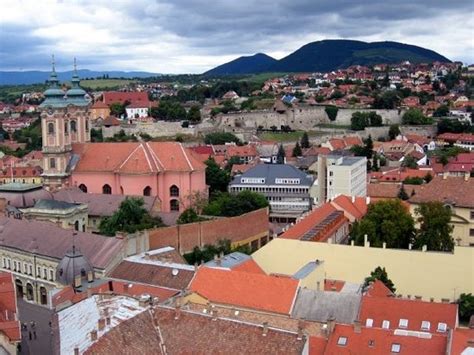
[(192, 36)]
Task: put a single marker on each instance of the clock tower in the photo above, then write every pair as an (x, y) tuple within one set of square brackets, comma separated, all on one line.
[(64, 121)]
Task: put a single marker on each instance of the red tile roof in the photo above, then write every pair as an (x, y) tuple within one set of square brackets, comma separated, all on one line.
[(378, 289), (241, 151), (380, 341), (415, 311), (453, 190), (9, 325), (333, 285), (99, 105), (306, 227), (248, 290), (110, 97), (357, 207), (249, 266), (460, 340), (383, 190), (135, 158)]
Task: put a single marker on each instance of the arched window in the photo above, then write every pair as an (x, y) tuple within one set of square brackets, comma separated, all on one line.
[(66, 127), (73, 126), (29, 291), (43, 295), (174, 205), (76, 225), (174, 191), (87, 125), (83, 188), (106, 189), (147, 191), (52, 163), (51, 128)]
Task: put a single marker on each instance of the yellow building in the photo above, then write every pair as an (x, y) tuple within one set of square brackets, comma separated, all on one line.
[(456, 193), (99, 110), (416, 273)]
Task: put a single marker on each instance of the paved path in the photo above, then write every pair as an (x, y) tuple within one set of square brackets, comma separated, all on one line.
[(41, 316)]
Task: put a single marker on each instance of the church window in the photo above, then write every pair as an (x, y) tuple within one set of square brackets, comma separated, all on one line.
[(106, 189), (174, 191), (73, 126), (87, 125), (147, 191), (52, 163), (66, 125), (50, 128), (174, 205), (83, 188)]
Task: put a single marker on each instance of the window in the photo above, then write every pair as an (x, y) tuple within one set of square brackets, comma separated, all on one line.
[(442, 327), (66, 127), (73, 126), (331, 173), (147, 191), (87, 125), (369, 323), (174, 191), (76, 225), (386, 324), (50, 128), (52, 163), (425, 325), (106, 189), (83, 188), (396, 348), (174, 205), (371, 343), (342, 341), (471, 232), (403, 323), (472, 214)]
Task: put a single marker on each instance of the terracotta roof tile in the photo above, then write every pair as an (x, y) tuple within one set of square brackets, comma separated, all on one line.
[(244, 289), (393, 309), (357, 208), (110, 97), (9, 325), (378, 289), (249, 266), (383, 190), (460, 340), (453, 190)]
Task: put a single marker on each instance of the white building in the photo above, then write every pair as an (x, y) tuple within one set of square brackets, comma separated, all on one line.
[(286, 188), (135, 110), (340, 175)]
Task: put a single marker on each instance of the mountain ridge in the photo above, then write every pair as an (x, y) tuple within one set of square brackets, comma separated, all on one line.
[(332, 54)]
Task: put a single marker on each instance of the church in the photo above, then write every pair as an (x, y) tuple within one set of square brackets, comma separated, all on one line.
[(166, 170)]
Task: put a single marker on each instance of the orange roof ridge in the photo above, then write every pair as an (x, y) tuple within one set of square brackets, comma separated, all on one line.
[(186, 156)]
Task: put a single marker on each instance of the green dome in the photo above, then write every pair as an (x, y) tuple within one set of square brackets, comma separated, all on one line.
[(54, 92), (75, 92)]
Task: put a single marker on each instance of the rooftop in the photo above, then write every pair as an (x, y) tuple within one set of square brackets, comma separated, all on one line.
[(272, 172)]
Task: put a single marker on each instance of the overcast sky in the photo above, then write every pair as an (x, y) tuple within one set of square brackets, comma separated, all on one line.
[(192, 36)]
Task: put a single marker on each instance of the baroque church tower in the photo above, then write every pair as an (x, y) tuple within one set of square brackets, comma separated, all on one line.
[(64, 121)]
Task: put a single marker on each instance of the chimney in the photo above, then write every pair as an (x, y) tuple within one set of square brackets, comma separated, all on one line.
[(265, 329), (77, 281), (144, 300), (94, 335), (410, 246), (431, 299), (101, 324), (357, 326), (418, 298), (177, 312), (300, 332), (214, 314), (384, 245), (107, 320), (466, 176), (445, 175), (424, 248), (445, 300), (331, 324), (90, 276), (147, 256)]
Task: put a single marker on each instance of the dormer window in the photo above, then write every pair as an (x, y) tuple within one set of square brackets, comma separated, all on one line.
[(369, 323), (425, 325), (342, 341), (403, 323), (442, 327), (396, 348), (386, 324)]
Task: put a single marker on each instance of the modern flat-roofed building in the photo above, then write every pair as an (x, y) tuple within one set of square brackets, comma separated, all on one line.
[(286, 188), (341, 175)]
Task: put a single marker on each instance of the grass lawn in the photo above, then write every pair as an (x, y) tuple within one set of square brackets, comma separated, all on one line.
[(105, 83), (260, 78), (286, 137)]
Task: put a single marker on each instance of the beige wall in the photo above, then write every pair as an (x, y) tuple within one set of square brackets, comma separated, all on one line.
[(462, 222), (427, 274)]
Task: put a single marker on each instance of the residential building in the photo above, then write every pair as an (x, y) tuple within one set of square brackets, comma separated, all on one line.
[(39, 255), (99, 110), (340, 175), (286, 188), (439, 271), (456, 193), (10, 333), (137, 109), (23, 175)]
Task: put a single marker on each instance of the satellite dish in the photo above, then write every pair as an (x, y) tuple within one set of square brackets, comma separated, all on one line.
[(175, 272)]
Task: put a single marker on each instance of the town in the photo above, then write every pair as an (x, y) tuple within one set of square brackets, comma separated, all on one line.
[(316, 213)]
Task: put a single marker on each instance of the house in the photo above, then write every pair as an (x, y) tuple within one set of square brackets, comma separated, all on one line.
[(230, 95), (455, 193), (24, 175), (137, 109), (245, 154), (10, 332), (286, 188), (243, 290), (99, 109)]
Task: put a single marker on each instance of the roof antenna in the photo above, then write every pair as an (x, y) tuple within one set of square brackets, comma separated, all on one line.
[(53, 63)]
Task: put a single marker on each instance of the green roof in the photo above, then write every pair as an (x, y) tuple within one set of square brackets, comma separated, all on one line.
[(17, 186)]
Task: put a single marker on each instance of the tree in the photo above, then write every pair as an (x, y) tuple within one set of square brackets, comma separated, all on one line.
[(117, 109), (229, 205), (305, 141), (466, 306), (409, 162), (441, 111), (331, 111), (380, 274), (415, 116), (386, 221), (218, 179), (297, 150), (413, 180), (402, 194), (393, 131), (435, 230), (360, 120), (194, 114), (208, 251), (221, 138), (280, 155), (375, 163), (189, 215), (130, 218), (369, 147)]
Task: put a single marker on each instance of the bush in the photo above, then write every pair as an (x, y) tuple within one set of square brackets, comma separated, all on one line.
[(360, 120), (229, 205), (415, 117), (221, 138), (331, 111)]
